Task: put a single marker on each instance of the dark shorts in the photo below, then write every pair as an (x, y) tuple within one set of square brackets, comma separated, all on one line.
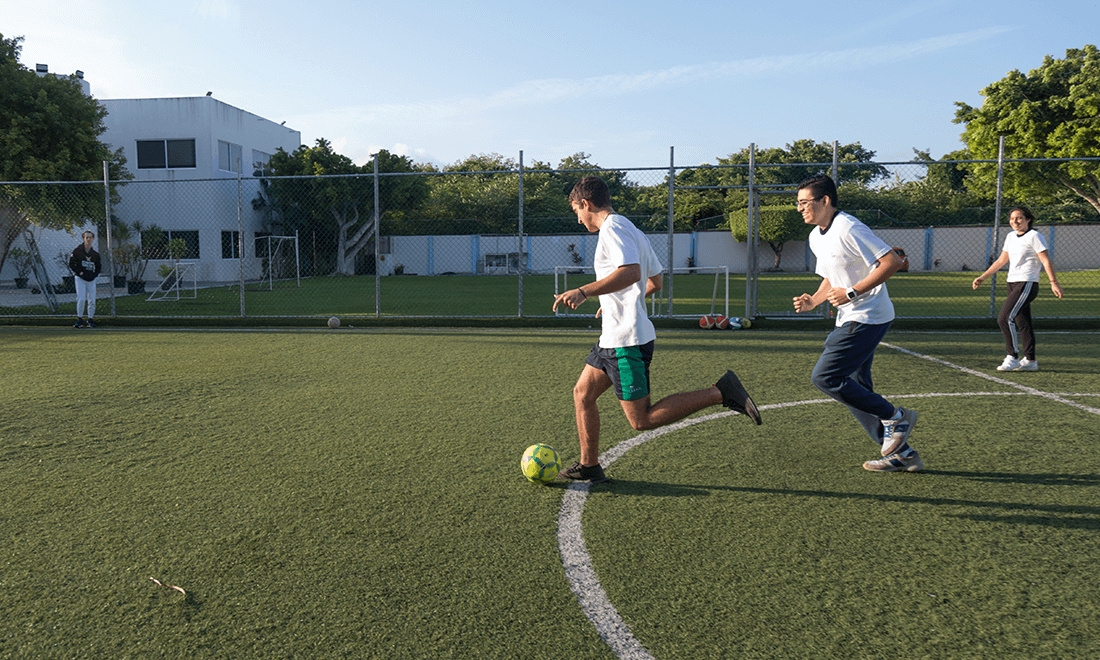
[(627, 367)]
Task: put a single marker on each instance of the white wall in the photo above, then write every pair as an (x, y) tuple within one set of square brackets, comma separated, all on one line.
[(952, 248), (153, 198)]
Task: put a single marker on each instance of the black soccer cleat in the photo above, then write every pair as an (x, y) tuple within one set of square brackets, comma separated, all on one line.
[(591, 473), (735, 397)]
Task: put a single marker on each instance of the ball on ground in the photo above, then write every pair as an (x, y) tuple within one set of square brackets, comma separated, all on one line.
[(735, 323), (540, 464), (333, 322), (746, 324), (706, 322), (721, 322)]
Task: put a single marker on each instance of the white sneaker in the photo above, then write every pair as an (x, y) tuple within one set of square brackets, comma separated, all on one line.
[(911, 462), (1028, 365), (1010, 364)]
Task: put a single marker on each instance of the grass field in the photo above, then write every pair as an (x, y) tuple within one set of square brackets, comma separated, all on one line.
[(914, 295), (356, 494)]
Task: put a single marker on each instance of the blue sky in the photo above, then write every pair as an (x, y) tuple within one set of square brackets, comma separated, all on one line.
[(621, 81)]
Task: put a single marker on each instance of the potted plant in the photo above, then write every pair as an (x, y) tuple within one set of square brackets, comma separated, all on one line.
[(24, 262), (152, 246), (120, 254), (68, 284)]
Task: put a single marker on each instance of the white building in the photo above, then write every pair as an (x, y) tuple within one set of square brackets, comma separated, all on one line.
[(184, 154)]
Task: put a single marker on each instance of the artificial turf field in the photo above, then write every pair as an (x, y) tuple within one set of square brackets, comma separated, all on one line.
[(356, 494)]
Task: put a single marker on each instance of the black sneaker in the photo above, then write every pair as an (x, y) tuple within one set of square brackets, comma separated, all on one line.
[(592, 473), (92, 324), (736, 398), (79, 323)]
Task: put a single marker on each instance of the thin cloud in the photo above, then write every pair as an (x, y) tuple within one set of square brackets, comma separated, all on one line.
[(220, 10), (557, 90)]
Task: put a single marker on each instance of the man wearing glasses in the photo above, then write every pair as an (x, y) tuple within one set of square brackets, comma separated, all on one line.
[(854, 265)]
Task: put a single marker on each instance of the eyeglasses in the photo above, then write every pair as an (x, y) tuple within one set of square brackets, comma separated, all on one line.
[(803, 203)]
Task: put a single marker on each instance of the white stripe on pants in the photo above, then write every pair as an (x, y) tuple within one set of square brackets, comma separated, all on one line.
[(85, 293)]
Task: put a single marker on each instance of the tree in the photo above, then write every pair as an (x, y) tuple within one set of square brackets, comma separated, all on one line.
[(777, 224), (803, 159), (1051, 112), (482, 188), (49, 131), (327, 196), (786, 168)]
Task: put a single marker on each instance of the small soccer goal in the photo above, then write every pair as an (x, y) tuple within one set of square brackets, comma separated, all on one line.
[(658, 303), (279, 261)]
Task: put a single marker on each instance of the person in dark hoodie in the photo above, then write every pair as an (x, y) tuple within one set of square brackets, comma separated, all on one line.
[(85, 264)]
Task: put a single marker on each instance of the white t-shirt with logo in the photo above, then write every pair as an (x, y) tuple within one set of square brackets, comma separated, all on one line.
[(846, 253), (1023, 255), (624, 318)]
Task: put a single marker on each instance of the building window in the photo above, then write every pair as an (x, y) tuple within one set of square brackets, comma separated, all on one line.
[(259, 163), (229, 155), (161, 154), (231, 245)]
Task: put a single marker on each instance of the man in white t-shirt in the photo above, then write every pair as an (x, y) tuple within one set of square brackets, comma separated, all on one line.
[(854, 265), (627, 271)]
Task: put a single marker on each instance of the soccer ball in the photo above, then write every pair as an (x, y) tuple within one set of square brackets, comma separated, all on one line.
[(721, 322), (333, 322), (540, 464), (706, 322), (746, 323), (735, 323)]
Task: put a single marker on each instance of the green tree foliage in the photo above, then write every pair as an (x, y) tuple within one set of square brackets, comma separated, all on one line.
[(779, 222), (326, 197), (1050, 112), (480, 192), (49, 131), (480, 195), (783, 169), (801, 160)]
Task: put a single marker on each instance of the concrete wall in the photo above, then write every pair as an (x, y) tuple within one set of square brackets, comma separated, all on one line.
[(929, 249)]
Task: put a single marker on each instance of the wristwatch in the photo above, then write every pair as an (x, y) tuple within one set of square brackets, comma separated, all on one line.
[(852, 293)]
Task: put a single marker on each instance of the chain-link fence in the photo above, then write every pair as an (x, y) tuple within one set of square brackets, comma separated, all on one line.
[(501, 243)]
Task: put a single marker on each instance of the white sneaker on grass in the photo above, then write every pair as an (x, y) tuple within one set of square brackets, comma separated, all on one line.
[(1028, 365), (1010, 364), (910, 462)]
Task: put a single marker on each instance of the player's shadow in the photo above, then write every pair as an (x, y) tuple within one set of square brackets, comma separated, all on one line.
[(1049, 515), (1040, 479), (630, 487)]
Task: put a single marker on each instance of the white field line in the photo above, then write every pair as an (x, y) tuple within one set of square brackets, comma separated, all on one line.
[(995, 379), (579, 571)]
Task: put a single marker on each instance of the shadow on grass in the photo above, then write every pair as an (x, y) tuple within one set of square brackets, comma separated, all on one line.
[(1052, 479), (1065, 516)]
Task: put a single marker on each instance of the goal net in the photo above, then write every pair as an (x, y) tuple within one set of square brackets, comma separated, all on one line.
[(279, 261)]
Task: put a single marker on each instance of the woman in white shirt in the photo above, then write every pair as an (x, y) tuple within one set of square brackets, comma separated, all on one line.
[(1025, 251)]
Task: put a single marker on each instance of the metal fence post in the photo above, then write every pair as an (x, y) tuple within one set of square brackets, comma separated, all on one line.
[(836, 160), (519, 239), (240, 236), (377, 223), (996, 226), (750, 234), (107, 224), (671, 220)]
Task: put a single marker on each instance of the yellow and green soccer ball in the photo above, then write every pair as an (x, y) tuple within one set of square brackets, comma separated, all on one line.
[(540, 464)]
